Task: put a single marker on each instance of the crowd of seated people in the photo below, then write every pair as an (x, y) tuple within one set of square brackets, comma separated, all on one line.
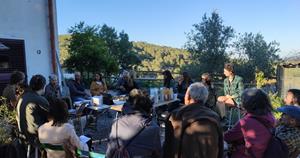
[(195, 129)]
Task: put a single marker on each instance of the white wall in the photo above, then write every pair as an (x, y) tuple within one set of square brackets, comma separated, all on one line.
[(28, 20)]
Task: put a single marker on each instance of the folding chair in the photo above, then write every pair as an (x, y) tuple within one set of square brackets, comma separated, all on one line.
[(77, 114)]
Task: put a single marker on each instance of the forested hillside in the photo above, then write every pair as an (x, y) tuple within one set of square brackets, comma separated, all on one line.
[(155, 57)]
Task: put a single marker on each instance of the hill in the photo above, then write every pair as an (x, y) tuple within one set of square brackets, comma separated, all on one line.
[(155, 57)]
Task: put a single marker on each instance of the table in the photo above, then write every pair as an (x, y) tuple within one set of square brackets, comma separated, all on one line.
[(99, 107), (118, 107)]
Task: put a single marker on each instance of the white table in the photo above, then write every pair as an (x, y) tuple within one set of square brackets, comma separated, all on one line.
[(164, 103), (99, 107)]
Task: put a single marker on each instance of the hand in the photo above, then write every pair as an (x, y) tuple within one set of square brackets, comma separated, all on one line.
[(229, 97)]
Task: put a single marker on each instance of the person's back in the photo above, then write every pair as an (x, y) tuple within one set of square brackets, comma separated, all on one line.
[(202, 135), (58, 132), (59, 135), (146, 144), (32, 109), (241, 135), (135, 131), (249, 136), (197, 131)]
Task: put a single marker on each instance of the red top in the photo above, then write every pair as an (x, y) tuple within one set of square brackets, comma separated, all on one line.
[(250, 134)]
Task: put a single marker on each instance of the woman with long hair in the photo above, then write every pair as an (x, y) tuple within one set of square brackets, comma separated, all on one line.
[(58, 131), (98, 85), (169, 81), (249, 136)]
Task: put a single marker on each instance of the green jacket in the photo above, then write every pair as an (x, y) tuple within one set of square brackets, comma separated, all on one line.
[(234, 89)]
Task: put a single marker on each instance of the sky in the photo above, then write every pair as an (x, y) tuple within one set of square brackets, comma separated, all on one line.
[(166, 22)]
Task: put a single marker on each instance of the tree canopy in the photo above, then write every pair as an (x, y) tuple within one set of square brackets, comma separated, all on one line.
[(255, 54), (208, 42), (102, 48)]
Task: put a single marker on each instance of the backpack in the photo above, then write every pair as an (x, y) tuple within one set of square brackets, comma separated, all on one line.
[(121, 151), (276, 147)]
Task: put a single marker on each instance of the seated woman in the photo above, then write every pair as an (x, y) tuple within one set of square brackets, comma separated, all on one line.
[(249, 136), (169, 81), (136, 128), (98, 85), (58, 132), (233, 87), (184, 82)]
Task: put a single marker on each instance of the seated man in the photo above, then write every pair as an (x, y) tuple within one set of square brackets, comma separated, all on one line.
[(77, 89), (126, 83), (292, 97), (32, 109), (197, 130), (52, 89), (289, 129)]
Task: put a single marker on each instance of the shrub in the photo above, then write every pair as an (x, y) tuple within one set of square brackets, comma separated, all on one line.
[(276, 102), (8, 122)]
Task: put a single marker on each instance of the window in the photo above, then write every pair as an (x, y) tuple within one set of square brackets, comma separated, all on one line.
[(4, 62)]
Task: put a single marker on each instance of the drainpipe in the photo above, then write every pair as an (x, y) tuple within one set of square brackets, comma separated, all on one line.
[(52, 36)]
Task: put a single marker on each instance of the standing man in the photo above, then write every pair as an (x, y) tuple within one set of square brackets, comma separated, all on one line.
[(233, 88), (197, 130), (32, 109)]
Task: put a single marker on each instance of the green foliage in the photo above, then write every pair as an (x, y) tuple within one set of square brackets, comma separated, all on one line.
[(208, 42), (102, 49), (63, 47), (158, 58), (7, 122), (276, 102), (119, 47), (260, 79), (85, 44), (255, 54)]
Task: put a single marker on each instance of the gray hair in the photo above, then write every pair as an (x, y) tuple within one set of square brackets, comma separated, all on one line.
[(77, 73), (52, 77), (198, 92), (125, 73)]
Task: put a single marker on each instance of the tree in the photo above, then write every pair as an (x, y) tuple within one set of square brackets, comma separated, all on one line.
[(88, 52), (256, 54), (119, 47), (208, 42), (128, 57)]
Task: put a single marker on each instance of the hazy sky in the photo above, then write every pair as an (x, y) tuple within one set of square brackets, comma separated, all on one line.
[(166, 22)]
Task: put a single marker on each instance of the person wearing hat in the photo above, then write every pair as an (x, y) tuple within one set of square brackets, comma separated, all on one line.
[(288, 129)]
